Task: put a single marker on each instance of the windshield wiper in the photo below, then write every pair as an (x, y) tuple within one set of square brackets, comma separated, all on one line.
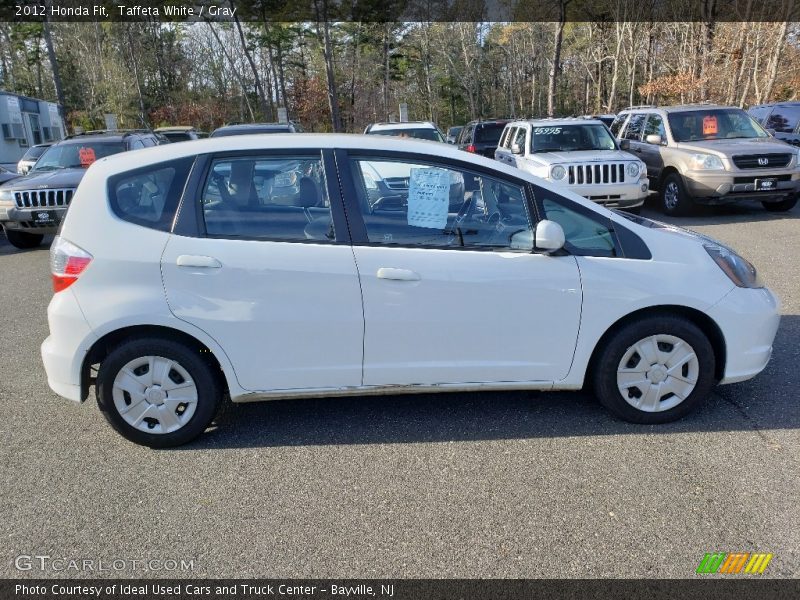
[(48, 168)]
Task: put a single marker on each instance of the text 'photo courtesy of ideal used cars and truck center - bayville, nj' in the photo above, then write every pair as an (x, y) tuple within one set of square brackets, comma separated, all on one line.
[(466, 300)]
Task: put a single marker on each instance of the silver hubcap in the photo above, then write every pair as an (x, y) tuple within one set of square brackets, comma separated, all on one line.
[(671, 194), (657, 373), (154, 394)]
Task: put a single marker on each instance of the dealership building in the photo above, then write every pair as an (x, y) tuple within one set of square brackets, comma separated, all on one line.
[(26, 122)]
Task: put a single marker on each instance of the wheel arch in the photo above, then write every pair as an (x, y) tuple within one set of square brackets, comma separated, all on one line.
[(703, 322), (105, 344), (665, 172)]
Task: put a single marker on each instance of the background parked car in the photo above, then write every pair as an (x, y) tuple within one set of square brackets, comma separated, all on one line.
[(452, 134), (421, 130), (6, 175), (578, 154), (180, 133), (251, 128), (481, 137), (30, 157), (707, 154), (34, 205), (606, 119), (781, 119)]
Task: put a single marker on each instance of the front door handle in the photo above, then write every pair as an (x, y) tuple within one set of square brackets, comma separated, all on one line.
[(204, 262), (398, 274)]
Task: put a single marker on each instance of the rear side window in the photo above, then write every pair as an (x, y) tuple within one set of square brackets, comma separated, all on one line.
[(616, 126), (784, 119), (488, 133), (149, 196), (634, 129), (759, 113)]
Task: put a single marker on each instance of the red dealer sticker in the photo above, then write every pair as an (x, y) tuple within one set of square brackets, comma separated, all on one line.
[(86, 156), (710, 125)]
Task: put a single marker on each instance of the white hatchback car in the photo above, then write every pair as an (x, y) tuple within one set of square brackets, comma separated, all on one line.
[(232, 267)]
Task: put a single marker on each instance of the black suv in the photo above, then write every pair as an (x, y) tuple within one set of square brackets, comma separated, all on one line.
[(181, 133), (34, 205), (781, 119), (251, 128), (481, 137)]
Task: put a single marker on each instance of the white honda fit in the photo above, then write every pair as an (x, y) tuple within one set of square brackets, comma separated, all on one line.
[(285, 266)]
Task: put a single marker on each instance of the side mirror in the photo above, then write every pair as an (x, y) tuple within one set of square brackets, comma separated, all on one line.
[(653, 139), (515, 149), (549, 237), (624, 144)]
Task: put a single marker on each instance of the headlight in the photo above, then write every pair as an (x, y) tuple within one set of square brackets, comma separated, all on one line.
[(6, 196), (739, 270), (706, 161), (632, 169), (558, 172)]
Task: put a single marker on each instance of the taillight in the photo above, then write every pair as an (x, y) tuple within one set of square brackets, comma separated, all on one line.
[(471, 148), (67, 262)]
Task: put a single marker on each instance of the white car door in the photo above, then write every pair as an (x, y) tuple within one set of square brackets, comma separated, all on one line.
[(270, 274), (447, 299)]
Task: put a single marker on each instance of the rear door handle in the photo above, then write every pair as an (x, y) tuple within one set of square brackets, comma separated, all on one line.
[(204, 262), (398, 274)]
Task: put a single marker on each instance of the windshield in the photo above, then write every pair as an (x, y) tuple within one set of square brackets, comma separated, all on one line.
[(489, 133), (34, 152), (423, 133), (714, 124), (571, 138), (76, 156)]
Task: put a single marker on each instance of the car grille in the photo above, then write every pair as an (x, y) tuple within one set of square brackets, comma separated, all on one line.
[(42, 198), (596, 174), (761, 161)]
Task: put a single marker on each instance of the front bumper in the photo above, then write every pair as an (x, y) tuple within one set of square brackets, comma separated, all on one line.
[(737, 186), (749, 320), (27, 220), (621, 195), (66, 347)]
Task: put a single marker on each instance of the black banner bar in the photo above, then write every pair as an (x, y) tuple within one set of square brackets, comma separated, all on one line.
[(399, 10), (714, 588)]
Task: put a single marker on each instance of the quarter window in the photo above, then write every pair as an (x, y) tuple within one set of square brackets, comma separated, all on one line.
[(415, 204), (282, 199), (149, 196)]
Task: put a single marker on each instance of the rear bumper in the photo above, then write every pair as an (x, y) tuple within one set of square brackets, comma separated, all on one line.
[(749, 320), (66, 347)]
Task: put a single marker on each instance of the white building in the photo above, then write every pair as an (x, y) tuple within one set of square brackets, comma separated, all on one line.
[(26, 122)]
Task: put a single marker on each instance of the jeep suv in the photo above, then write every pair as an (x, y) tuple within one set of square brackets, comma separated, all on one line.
[(578, 154), (34, 205), (709, 154)]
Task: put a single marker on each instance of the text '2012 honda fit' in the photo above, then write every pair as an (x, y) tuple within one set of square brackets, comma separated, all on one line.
[(331, 265)]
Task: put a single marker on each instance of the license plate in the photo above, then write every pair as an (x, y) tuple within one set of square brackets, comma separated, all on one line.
[(766, 184), (43, 217)]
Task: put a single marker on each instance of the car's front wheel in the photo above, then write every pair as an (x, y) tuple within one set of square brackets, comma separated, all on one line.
[(22, 240), (157, 392), (781, 206), (675, 200), (655, 370)]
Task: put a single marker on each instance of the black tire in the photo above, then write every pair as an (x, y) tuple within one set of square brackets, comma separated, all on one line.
[(209, 391), (675, 200), (781, 206), (22, 240), (623, 340)]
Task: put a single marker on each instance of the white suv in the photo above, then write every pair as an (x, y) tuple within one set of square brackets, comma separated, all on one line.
[(333, 265), (579, 154)]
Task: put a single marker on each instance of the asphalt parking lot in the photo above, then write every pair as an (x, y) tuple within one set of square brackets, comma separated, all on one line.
[(515, 485)]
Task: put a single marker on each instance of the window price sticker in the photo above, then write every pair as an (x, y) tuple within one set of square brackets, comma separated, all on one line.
[(710, 125), (428, 198)]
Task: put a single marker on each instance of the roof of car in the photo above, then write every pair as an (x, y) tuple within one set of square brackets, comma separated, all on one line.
[(402, 125), (553, 122), (680, 107), (174, 128), (253, 127), (490, 122), (769, 104)]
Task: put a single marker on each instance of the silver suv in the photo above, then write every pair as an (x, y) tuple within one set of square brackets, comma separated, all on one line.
[(709, 154)]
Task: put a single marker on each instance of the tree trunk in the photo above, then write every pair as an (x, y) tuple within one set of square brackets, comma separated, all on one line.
[(236, 72), (555, 63), (708, 12), (327, 52), (262, 100), (775, 59), (386, 73)]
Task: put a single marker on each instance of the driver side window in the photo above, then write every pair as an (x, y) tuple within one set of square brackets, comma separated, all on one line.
[(414, 204)]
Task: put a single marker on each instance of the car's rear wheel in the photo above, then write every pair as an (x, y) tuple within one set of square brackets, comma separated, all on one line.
[(655, 370), (781, 206), (156, 392), (675, 200), (22, 240)]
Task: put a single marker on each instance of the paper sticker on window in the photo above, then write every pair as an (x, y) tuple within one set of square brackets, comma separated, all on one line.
[(710, 125), (86, 156), (428, 198)]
